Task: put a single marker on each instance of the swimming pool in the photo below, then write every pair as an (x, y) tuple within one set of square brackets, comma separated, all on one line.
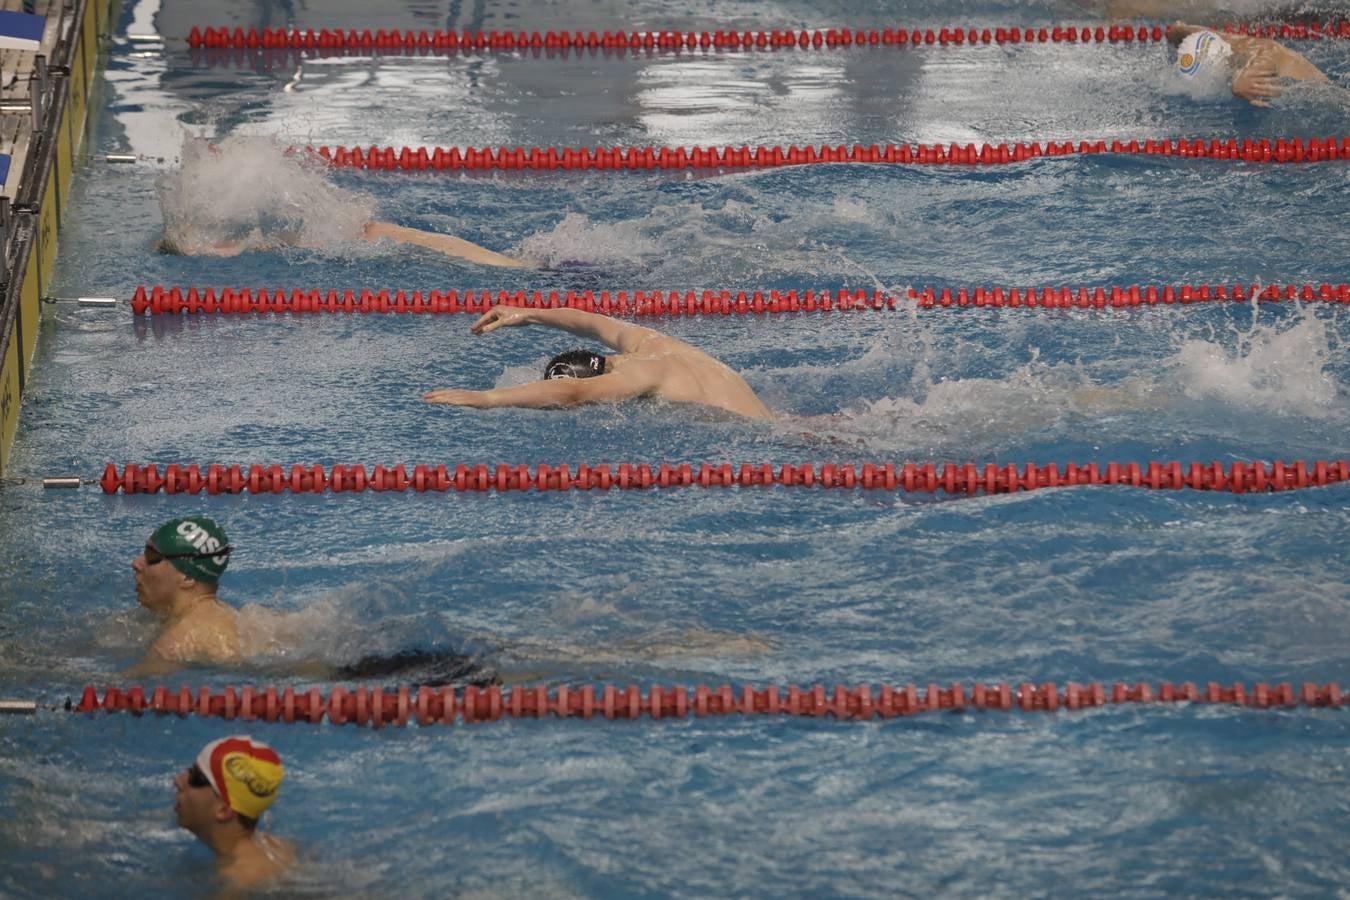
[(661, 587)]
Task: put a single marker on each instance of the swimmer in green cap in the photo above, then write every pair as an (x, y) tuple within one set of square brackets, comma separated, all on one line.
[(177, 575), (176, 578)]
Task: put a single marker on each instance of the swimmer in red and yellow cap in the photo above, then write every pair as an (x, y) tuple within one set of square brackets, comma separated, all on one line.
[(220, 798)]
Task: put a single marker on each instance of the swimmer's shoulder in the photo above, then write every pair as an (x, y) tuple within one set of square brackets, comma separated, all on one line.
[(206, 635), (270, 857), (651, 346)]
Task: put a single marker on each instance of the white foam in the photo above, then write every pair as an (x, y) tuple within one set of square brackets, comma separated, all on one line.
[(1267, 369), (1213, 83), (577, 239), (249, 189), (974, 412), (514, 376)]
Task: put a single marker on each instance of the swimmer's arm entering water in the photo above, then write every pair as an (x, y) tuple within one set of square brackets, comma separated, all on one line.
[(1258, 82), (607, 330), (441, 243), (558, 393)]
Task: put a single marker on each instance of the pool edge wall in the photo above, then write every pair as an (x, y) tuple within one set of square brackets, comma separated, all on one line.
[(34, 227)]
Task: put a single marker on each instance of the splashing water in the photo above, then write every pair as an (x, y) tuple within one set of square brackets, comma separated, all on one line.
[(576, 239), (1268, 369), (248, 192), (962, 414)]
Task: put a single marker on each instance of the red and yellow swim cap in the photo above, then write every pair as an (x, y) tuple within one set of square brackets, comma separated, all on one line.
[(244, 772)]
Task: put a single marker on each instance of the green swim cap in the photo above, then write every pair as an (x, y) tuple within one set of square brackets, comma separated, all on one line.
[(188, 545)]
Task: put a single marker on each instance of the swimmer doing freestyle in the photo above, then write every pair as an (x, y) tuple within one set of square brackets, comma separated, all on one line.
[(371, 231), (1256, 67), (648, 364), (292, 203)]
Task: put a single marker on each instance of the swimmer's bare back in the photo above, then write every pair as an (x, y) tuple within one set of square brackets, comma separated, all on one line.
[(206, 635), (649, 364), (685, 374)]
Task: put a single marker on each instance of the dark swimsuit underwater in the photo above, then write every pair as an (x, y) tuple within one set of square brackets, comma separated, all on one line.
[(429, 668)]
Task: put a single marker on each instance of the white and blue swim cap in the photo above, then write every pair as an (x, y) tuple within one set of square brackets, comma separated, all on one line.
[(1201, 53)]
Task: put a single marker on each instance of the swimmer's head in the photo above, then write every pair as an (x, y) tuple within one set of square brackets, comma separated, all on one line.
[(575, 364), (245, 773), (196, 546), (1202, 54), (169, 245)]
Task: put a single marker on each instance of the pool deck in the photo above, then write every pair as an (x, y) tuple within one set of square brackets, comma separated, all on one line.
[(44, 98)]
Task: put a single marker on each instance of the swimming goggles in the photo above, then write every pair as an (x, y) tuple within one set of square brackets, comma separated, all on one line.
[(197, 778)]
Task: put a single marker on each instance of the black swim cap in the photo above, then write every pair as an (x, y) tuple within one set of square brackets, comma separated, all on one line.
[(575, 364)]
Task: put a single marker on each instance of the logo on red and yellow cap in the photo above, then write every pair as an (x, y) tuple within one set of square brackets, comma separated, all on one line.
[(244, 772)]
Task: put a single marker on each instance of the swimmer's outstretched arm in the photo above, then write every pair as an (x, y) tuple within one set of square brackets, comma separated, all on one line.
[(441, 243), (621, 336), (558, 393)]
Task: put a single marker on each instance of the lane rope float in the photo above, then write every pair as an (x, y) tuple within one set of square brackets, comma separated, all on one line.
[(722, 39), (614, 159), (175, 300), (952, 478), (403, 705)]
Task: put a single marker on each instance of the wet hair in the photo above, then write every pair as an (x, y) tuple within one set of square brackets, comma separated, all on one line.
[(577, 363), (168, 245)]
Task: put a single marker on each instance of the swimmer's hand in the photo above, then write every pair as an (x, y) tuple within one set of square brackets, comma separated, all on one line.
[(1258, 82), (458, 397), (500, 316)]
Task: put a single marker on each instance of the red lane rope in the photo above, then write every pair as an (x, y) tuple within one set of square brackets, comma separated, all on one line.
[(1264, 150), (953, 478), (173, 300), (426, 706), (779, 39), (1133, 295), (170, 300)]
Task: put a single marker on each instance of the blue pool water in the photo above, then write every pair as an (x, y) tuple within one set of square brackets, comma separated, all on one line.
[(762, 586)]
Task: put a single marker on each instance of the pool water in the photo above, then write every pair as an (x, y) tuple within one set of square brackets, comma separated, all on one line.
[(760, 586)]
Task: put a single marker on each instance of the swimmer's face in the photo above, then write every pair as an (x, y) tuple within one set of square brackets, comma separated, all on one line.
[(195, 802), (156, 583)]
